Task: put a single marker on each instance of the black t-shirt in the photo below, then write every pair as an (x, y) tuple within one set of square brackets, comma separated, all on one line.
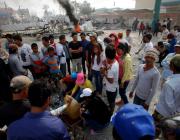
[(75, 46), (98, 110), (5, 94), (89, 50), (13, 111)]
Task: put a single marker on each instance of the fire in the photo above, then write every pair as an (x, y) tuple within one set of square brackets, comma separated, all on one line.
[(77, 28)]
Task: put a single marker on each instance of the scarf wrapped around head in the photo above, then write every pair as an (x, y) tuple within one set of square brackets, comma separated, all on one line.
[(116, 40), (153, 53)]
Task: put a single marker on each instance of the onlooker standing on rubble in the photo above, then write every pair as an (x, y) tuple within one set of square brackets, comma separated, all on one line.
[(141, 28), (15, 62), (93, 39), (125, 70), (147, 80), (97, 61), (62, 56), (128, 37), (36, 56), (166, 63), (84, 43), (24, 51), (76, 52), (147, 44), (52, 42), (46, 45), (63, 41), (172, 42), (110, 71), (165, 33), (168, 104), (9, 40)]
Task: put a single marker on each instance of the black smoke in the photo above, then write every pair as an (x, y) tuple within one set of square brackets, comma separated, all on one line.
[(69, 10)]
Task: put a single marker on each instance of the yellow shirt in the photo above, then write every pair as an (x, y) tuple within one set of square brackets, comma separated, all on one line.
[(127, 69), (87, 84)]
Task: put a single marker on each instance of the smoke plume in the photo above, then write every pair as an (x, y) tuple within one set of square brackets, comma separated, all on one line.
[(69, 10)]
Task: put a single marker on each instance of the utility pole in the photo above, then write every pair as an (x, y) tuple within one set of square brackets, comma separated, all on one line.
[(156, 13)]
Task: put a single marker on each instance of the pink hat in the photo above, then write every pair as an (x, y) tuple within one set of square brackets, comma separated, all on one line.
[(80, 79)]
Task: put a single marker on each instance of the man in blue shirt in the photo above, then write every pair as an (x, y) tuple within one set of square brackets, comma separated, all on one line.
[(84, 44), (172, 41), (39, 123)]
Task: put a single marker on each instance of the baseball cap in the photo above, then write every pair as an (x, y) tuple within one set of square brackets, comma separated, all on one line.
[(153, 53), (19, 82), (80, 78), (73, 75), (132, 122), (176, 60), (86, 92), (93, 35)]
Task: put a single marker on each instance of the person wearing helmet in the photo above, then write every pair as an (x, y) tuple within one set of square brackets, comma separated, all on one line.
[(133, 122)]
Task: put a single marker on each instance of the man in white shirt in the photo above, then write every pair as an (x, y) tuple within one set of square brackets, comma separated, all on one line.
[(147, 44), (147, 80), (128, 37), (169, 101), (24, 51), (62, 56), (165, 33), (111, 74)]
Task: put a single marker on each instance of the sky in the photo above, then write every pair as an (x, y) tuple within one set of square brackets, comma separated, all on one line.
[(36, 6)]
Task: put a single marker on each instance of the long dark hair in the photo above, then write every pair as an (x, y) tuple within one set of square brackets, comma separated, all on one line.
[(100, 50), (124, 47)]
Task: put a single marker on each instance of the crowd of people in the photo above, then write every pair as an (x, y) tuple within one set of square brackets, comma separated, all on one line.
[(88, 70)]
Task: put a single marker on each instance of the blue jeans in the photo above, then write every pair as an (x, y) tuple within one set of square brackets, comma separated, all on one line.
[(122, 92), (98, 80)]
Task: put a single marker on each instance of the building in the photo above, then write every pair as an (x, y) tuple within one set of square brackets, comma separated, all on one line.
[(145, 4), (172, 6), (149, 4), (23, 14), (6, 14), (123, 16), (169, 8)]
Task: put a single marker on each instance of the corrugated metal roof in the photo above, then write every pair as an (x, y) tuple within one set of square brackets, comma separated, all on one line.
[(171, 3), (21, 27)]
